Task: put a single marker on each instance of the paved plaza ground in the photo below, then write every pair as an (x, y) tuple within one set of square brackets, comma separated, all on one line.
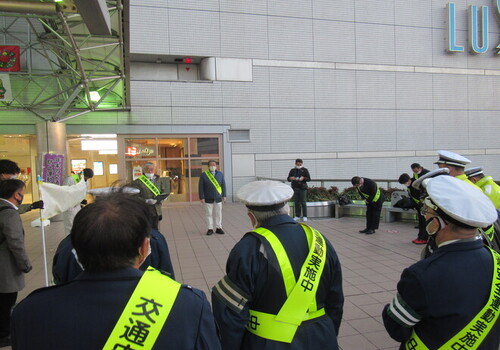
[(371, 264)]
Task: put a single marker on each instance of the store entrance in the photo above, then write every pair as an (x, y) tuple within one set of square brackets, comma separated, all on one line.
[(180, 158)]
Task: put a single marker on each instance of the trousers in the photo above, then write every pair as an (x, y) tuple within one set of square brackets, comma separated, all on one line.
[(7, 301), (373, 211), (213, 211), (300, 202)]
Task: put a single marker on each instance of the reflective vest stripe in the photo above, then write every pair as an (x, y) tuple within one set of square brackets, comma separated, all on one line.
[(265, 326), (474, 333), (151, 186), (231, 294), (214, 182), (303, 296), (377, 195), (489, 232), (145, 313), (283, 261), (283, 326)]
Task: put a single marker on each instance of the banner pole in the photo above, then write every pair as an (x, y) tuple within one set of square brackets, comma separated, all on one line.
[(42, 226)]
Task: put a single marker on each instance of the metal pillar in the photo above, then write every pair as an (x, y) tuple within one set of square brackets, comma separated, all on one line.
[(51, 138)]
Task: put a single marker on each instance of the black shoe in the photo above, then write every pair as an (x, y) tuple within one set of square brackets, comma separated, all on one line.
[(364, 231), (370, 232), (5, 341), (210, 232), (219, 231)]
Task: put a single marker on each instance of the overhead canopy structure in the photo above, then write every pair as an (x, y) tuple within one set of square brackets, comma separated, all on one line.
[(72, 53)]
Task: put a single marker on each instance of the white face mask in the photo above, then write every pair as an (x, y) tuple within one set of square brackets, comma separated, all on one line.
[(13, 177), (150, 175), (212, 168), (298, 166), (434, 225)]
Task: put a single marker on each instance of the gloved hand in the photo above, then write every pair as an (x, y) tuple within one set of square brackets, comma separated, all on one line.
[(37, 205), (151, 201)]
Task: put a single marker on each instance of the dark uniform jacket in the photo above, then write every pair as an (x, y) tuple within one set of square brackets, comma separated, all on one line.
[(82, 313), (370, 188), (302, 172), (207, 191), (445, 291), (65, 266), (252, 268), (422, 173)]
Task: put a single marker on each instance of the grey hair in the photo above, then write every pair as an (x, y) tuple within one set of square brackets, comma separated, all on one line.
[(262, 216), (148, 163)]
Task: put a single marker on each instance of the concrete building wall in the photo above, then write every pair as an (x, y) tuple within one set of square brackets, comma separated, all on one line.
[(354, 87)]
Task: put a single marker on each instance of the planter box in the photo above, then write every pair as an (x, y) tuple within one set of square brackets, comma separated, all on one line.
[(324, 209)]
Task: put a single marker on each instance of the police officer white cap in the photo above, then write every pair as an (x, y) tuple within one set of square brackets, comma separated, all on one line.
[(433, 173), (451, 158), (471, 172), (265, 195), (460, 202)]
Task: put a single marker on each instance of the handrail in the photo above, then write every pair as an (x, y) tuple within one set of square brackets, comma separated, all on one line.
[(322, 182)]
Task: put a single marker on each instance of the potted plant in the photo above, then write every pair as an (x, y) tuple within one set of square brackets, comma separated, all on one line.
[(320, 201)]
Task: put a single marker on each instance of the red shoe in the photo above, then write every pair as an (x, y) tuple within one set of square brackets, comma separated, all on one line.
[(419, 241)]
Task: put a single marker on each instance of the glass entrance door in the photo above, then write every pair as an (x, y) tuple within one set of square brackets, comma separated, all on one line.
[(181, 159)]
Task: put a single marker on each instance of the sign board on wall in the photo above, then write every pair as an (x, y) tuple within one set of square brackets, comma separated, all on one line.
[(478, 37)]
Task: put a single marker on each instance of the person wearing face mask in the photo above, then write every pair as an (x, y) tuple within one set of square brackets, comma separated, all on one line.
[(153, 190), (212, 192), (405, 179), (299, 176), (283, 283), (10, 170), (14, 261), (112, 304), (450, 300), (69, 215)]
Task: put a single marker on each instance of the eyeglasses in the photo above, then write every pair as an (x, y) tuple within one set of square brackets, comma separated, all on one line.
[(428, 207)]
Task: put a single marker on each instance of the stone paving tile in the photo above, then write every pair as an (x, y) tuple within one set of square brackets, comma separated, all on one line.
[(371, 264)]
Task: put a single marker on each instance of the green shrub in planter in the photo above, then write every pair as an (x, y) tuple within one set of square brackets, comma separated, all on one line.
[(321, 194)]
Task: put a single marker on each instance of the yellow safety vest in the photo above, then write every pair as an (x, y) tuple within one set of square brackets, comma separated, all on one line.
[(474, 333), (214, 181), (301, 295), (77, 178), (490, 189), (151, 186), (465, 179), (375, 198), (145, 313)]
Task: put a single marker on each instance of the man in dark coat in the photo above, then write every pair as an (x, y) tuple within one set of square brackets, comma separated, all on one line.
[(212, 192), (112, 304), (374, 199), (10, 170), (450, 300), (153, 190), (283, 288), (299, 176), (14, 261), (405, 179)]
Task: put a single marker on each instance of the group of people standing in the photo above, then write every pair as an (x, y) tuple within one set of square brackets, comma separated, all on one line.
[(283, 282)]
